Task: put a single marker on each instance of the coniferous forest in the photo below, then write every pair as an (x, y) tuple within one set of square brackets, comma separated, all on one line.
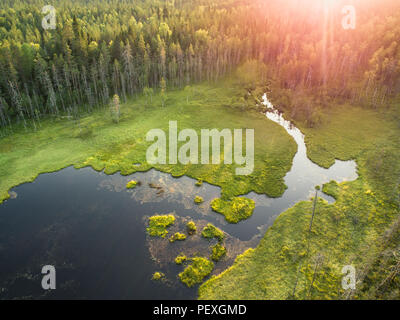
[(319, 90), (102, 48)]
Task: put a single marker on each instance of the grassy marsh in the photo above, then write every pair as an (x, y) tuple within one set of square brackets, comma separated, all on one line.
[(346, 232)]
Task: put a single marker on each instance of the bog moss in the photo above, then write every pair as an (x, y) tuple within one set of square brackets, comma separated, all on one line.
[(198, 200), (199, 183), (177, 237), (331, 189), (234, 210), (158, 225), (191, 228), (196, 271), (158, 276), (180, 259), (210, 231), (217, 252), (131, 184)]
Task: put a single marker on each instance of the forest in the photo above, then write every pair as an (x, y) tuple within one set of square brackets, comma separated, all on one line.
[(104, 48)]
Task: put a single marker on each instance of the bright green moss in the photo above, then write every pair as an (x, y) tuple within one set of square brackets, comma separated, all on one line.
[(158, 276), (180, 259), (191, 228), (196, 271), (218, 251), (177, 237), (158, 225), (131, 184), (198, 200), (234, 210), (210, 231)]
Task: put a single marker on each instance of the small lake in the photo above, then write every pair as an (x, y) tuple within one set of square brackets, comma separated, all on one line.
[(93, 230)]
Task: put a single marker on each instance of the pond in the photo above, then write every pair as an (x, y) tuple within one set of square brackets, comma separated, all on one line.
[(93, 230)]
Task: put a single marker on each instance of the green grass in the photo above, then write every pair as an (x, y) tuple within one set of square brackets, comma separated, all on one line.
[(343, 233), (210, 232), (158, 225), (196, 271), (235, 209), (118, 147)]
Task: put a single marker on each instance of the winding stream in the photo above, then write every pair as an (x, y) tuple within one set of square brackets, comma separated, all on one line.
[(304, 174), (93, 230)]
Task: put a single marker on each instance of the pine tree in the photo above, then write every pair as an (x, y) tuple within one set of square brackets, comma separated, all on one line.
[(16, 100), (128, 67), (2, 113), (103, 79), (58, 86), (51, 96)]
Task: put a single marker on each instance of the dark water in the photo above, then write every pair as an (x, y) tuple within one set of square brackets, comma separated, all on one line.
[(93, 230), (95, 239)]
